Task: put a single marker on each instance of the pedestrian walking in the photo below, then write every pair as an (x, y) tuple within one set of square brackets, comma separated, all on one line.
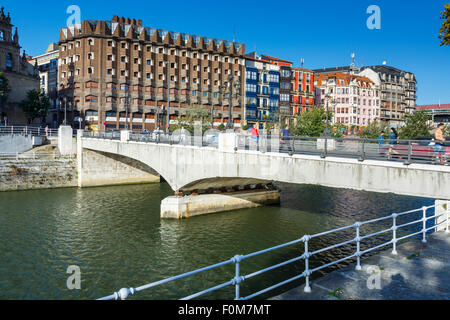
[(393, 140), (439, 143)]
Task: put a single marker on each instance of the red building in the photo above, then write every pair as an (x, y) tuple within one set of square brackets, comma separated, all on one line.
[(302, 90)]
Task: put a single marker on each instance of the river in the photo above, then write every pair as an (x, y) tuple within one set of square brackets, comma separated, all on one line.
[(117, 239)]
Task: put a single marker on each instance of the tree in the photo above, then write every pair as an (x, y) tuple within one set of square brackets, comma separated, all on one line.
[(195, 113), (373, 130), (311, 123), (415, 126), (445, 29), (447, 131), (35, 105), (338, 130)]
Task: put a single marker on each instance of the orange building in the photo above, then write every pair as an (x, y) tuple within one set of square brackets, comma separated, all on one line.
[(302, 90)]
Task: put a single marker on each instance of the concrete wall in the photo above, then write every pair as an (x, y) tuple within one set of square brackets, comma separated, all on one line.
[(185, 166), (442, 207), (99, 169), (15, 143), (37, 174)]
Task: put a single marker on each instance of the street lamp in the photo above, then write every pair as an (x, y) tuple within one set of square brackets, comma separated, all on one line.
[(237, 84), (127, 101)]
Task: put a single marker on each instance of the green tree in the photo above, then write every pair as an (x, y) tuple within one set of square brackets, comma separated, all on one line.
[(195, 113), (447, 131), (35, 105), (373, 130), (311, 123), (338, 130), (415, 126), (445, 29)]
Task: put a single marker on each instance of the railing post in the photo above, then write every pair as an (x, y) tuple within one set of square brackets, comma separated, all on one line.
[(363, 153), (448, 214), (238, 279), (424, 229), (307, 271), (358, 246), (394, 233), (408, 161)]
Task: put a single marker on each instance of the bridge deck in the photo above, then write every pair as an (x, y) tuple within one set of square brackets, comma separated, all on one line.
[(419, 272)]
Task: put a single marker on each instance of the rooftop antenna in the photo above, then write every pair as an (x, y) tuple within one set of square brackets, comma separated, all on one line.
[(302, 62), (234, 33)]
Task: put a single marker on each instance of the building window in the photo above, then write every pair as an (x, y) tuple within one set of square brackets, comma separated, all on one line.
[(194, 93), (9, 62), (91, 42), (90, 70)]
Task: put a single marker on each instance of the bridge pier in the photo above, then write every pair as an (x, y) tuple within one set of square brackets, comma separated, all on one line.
[(177, 207)]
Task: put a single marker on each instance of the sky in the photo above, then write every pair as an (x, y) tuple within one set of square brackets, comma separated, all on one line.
[(323, 32)]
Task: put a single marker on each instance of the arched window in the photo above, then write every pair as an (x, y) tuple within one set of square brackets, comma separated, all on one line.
[(2, 36), (9, 62)]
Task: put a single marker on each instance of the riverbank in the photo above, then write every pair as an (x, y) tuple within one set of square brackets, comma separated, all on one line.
[(420, 271)]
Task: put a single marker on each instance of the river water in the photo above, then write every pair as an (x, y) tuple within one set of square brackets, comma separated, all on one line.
[(117, 239)]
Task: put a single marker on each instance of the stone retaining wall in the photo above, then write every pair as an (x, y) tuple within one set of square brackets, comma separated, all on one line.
[(38, 174)]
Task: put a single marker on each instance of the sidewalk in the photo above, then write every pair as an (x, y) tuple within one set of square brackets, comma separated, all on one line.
[(419, 272)]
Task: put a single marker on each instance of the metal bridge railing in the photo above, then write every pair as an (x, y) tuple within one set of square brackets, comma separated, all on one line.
[(405, 151), (306, 256), (28, 130)]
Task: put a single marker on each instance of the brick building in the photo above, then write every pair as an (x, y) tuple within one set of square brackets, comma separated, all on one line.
[(107, 68)]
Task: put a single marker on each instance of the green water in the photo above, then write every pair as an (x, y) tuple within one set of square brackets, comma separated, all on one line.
[(116, 237)]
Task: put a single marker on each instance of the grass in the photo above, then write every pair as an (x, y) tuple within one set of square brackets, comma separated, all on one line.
[(414, 255), (336, 293)]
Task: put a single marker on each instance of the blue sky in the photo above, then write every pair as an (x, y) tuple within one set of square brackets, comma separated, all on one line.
[(324, 32)]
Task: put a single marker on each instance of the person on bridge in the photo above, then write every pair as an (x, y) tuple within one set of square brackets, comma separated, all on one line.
[(393, 139), (285, 137), (381, 142), (439, 143), (255, 134)]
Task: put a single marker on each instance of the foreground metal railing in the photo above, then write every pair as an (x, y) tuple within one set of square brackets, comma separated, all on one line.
[(28, 130), (306, 256)]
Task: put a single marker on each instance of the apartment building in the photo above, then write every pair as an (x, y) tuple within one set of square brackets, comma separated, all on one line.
[(302, 90), (262, 90), (108, 69), (47, 65), (398, 89), (286, 110), (354, 100)]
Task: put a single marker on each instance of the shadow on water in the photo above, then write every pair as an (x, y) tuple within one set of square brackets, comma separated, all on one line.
[(116, 237)]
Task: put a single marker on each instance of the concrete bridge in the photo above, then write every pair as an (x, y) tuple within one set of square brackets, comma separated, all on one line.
[(233, 179)]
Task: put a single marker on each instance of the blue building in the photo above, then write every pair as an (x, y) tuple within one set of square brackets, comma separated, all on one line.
[(262, 91)]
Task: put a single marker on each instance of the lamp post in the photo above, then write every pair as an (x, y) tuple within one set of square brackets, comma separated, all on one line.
[(237, 84), (127, 101), (65, 112)]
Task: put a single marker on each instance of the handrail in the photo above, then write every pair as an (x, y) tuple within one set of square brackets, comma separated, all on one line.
[(238, 259), (28, 130), (405, 151)]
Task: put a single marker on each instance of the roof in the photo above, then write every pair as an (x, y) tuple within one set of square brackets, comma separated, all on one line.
[(433, 107), (377, 68)]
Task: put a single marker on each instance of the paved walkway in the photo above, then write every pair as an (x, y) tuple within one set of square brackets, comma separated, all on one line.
[(419, 272)]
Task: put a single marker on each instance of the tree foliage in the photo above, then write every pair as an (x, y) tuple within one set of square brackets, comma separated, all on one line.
[(447, 131), (35, 105), (195, 114), (445, 29), (4, 87), (311, 123), (415, 126), (373, 130)]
